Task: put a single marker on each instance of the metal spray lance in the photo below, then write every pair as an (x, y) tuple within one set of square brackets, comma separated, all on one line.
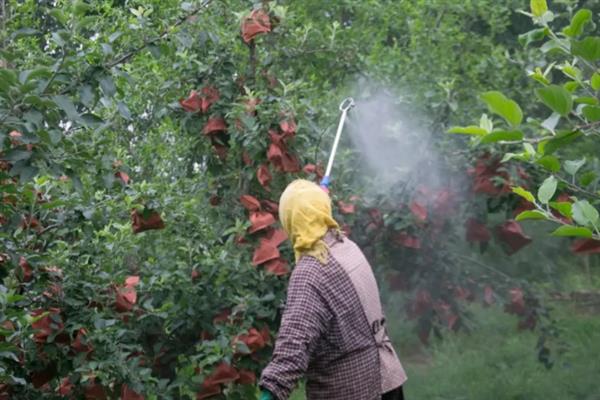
[(345, 105)]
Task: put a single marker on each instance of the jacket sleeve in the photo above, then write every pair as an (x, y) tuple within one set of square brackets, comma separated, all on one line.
[(304, 321)]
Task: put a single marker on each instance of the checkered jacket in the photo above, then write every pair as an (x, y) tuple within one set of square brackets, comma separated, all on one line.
[(332, 331)]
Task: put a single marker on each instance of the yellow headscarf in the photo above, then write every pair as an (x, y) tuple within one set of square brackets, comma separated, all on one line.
[(305, 213)]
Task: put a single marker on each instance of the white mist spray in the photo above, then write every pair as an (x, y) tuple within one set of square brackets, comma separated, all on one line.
[(394, 143)]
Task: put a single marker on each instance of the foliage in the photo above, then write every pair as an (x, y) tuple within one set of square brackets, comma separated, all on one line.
[(558, 137), (144, 144)]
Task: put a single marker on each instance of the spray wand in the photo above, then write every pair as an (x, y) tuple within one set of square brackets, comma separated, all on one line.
[(345, 105)]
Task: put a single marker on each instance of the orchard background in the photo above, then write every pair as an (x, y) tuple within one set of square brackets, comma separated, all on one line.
[(144, 145)]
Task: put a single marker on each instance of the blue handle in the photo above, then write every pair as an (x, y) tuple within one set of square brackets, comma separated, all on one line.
[(325, 182)]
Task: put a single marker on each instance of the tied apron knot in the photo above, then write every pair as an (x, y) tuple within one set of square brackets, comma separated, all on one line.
[(382, 340), (377, 325)]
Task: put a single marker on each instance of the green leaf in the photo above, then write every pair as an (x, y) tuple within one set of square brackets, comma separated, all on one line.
[(504, 107), (584, 213), (587, 178), (510, 156), (535, 35), (498, 136), (574, 231), (67, 106), (591, 113), (538, 7), (551, 163), (86, 95), (533, 214), (27, 173), (551, 122), (80, 8), (529, 149), (108, 86), (23, 32), (557, 98), (563, 207), (524, 194), (16, 155), (539, 76), (560, 141), (592, 101), (572, 166), (571, 72), (124, 110), (467, 130), (578, 22), (91, 120), (8, 78), (547, 190), (588, 48), (595, 82)]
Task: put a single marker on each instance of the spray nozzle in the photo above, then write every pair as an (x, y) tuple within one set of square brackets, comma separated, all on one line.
[(345, 105)]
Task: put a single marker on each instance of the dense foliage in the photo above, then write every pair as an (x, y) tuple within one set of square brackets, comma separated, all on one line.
[(144, 145)]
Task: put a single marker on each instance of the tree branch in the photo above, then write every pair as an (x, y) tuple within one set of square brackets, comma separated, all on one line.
[(576, 188), (125, 57)]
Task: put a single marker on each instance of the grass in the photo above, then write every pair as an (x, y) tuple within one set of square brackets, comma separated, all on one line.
[(498, 362)]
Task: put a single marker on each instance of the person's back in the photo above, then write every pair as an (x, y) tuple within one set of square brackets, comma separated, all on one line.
[(333, 328)]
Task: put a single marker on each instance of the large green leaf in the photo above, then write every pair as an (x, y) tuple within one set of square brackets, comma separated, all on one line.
[(584, 213), (23, 32), (67, 106), (573, 166), (578, 22), (8, 78), (499, 136), (551, 163), (547, 189), (573, 231), (556, 98), (588, 48), (561, 140), (16, 155), (591, 113), (108, 86), (501, 105)]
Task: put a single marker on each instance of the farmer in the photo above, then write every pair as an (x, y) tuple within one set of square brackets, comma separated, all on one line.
[(333, 328)]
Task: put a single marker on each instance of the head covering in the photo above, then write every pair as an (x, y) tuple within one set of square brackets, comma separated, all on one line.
[(305, 213)]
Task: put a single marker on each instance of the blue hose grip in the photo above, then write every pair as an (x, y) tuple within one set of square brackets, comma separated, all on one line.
[(325, 183)]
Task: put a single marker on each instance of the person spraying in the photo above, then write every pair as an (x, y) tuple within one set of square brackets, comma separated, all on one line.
[(333, 329)]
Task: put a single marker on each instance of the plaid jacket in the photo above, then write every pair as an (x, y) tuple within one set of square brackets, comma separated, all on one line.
[(332, 331)]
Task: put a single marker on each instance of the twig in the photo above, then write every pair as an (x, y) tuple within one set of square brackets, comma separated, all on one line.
[(588, 125), (48, 228), (53, 77), (532, 141), (577, 188), (147, 43), (465, 258)]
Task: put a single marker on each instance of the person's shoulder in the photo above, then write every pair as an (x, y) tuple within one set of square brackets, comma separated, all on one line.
[(310, 269)]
